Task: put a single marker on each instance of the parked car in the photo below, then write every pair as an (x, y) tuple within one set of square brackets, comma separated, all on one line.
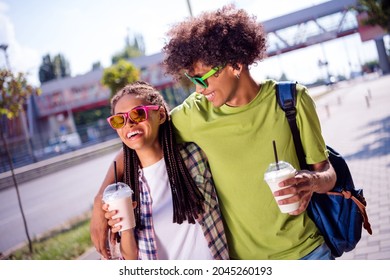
[(58, 145), (72, 140)]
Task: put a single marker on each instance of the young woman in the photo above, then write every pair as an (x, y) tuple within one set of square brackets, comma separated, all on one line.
[(177, 213)]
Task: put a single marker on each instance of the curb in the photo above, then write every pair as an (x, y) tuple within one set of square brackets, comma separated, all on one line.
[(90, 254)]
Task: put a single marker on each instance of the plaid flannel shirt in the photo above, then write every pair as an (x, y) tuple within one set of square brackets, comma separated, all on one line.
[(210, 221)]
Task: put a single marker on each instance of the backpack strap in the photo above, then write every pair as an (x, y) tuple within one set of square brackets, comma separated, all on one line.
[(286, 96)]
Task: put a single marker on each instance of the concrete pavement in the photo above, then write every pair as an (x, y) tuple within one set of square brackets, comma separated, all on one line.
[(355, 119)]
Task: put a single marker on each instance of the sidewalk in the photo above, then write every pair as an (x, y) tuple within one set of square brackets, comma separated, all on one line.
[(356, 122), (90, 254)]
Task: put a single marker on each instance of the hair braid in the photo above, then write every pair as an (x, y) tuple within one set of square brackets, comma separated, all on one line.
[(187, 199), (131, 164)]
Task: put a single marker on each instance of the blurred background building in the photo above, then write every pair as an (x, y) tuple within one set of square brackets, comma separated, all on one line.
[(71, 111)]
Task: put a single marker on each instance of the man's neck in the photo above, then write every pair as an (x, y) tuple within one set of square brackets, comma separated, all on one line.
[(247, 90)]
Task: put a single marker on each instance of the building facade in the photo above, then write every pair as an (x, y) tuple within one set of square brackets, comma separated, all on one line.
[(71, 112)]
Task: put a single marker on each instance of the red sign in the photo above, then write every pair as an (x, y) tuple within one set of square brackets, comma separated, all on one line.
[(368, 32)]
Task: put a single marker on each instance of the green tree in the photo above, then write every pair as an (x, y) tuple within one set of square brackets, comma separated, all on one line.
[(96, 65), (55, 68), (132, 49), (119, 75), (14, 93), (378, 12), (46, 70), (61, 66)]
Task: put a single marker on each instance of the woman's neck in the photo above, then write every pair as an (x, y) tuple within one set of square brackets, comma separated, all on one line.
[(150, 156)]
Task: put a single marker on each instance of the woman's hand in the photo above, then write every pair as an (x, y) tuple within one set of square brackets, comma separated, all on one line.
[(110, 220)]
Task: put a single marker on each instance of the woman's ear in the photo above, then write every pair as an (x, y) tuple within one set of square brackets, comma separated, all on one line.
[(162, 115)]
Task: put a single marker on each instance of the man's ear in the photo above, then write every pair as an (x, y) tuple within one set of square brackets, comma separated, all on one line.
[(162, 115), (233, 71), (237, 72)]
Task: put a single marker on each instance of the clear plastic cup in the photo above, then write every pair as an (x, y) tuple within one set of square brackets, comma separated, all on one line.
[(275, 174), (119, 197)]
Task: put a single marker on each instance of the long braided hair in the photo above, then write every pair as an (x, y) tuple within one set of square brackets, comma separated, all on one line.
[(186, 197)]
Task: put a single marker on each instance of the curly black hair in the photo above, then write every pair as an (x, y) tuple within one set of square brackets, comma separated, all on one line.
[(225, 36)]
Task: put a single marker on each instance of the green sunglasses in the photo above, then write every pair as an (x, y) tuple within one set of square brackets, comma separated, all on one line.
[(202, 80)]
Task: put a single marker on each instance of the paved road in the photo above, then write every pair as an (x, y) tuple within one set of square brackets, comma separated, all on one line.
[(50, 201)]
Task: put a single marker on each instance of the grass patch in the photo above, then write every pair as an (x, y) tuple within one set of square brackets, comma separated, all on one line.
[(67, 243)]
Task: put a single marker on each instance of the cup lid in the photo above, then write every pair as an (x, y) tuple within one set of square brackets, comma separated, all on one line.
[(115, 191), (280, 169)]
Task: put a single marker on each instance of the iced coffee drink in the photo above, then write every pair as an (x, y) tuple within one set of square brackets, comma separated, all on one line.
[(118, 196), (276, 173)]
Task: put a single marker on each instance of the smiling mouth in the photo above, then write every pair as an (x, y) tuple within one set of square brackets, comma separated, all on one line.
[(133, 133), (210, 96)]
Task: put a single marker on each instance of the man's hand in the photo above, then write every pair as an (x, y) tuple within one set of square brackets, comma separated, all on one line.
[(99, 228), (302, 186)]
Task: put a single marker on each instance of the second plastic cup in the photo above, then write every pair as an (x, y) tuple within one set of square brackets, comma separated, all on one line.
[(118, 197), (277, 173)]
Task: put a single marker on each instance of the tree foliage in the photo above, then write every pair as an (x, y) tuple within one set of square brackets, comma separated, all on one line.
[(55, 68), (132, 49), (378, 12), (96, 65), (119, 75), (14, 93)]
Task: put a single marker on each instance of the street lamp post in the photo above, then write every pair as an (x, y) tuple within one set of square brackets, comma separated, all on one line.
[(4, 48), (189, 7)]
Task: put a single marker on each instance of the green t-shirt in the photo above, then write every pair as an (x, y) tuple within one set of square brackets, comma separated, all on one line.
[(238, 144)]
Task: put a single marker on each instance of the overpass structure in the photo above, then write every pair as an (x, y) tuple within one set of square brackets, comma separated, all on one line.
[(314, 25)]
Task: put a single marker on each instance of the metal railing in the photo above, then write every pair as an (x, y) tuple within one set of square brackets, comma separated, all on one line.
[(43, 146)]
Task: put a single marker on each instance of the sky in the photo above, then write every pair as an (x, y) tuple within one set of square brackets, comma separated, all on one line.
[(87, 31)]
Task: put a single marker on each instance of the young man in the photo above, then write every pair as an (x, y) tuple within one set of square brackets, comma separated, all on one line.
[(234, 119)]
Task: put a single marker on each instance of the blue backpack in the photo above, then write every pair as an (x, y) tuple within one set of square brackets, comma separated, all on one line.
[(341, 213)]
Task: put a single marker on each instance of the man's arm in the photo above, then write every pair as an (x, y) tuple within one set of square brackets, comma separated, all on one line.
[(325, 177), (99, 226)]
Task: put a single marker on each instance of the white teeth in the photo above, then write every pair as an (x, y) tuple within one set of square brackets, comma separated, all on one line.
[(132, 133), (210, 96)]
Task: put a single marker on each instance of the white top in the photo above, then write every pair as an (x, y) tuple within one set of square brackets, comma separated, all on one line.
[(174, 242)]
